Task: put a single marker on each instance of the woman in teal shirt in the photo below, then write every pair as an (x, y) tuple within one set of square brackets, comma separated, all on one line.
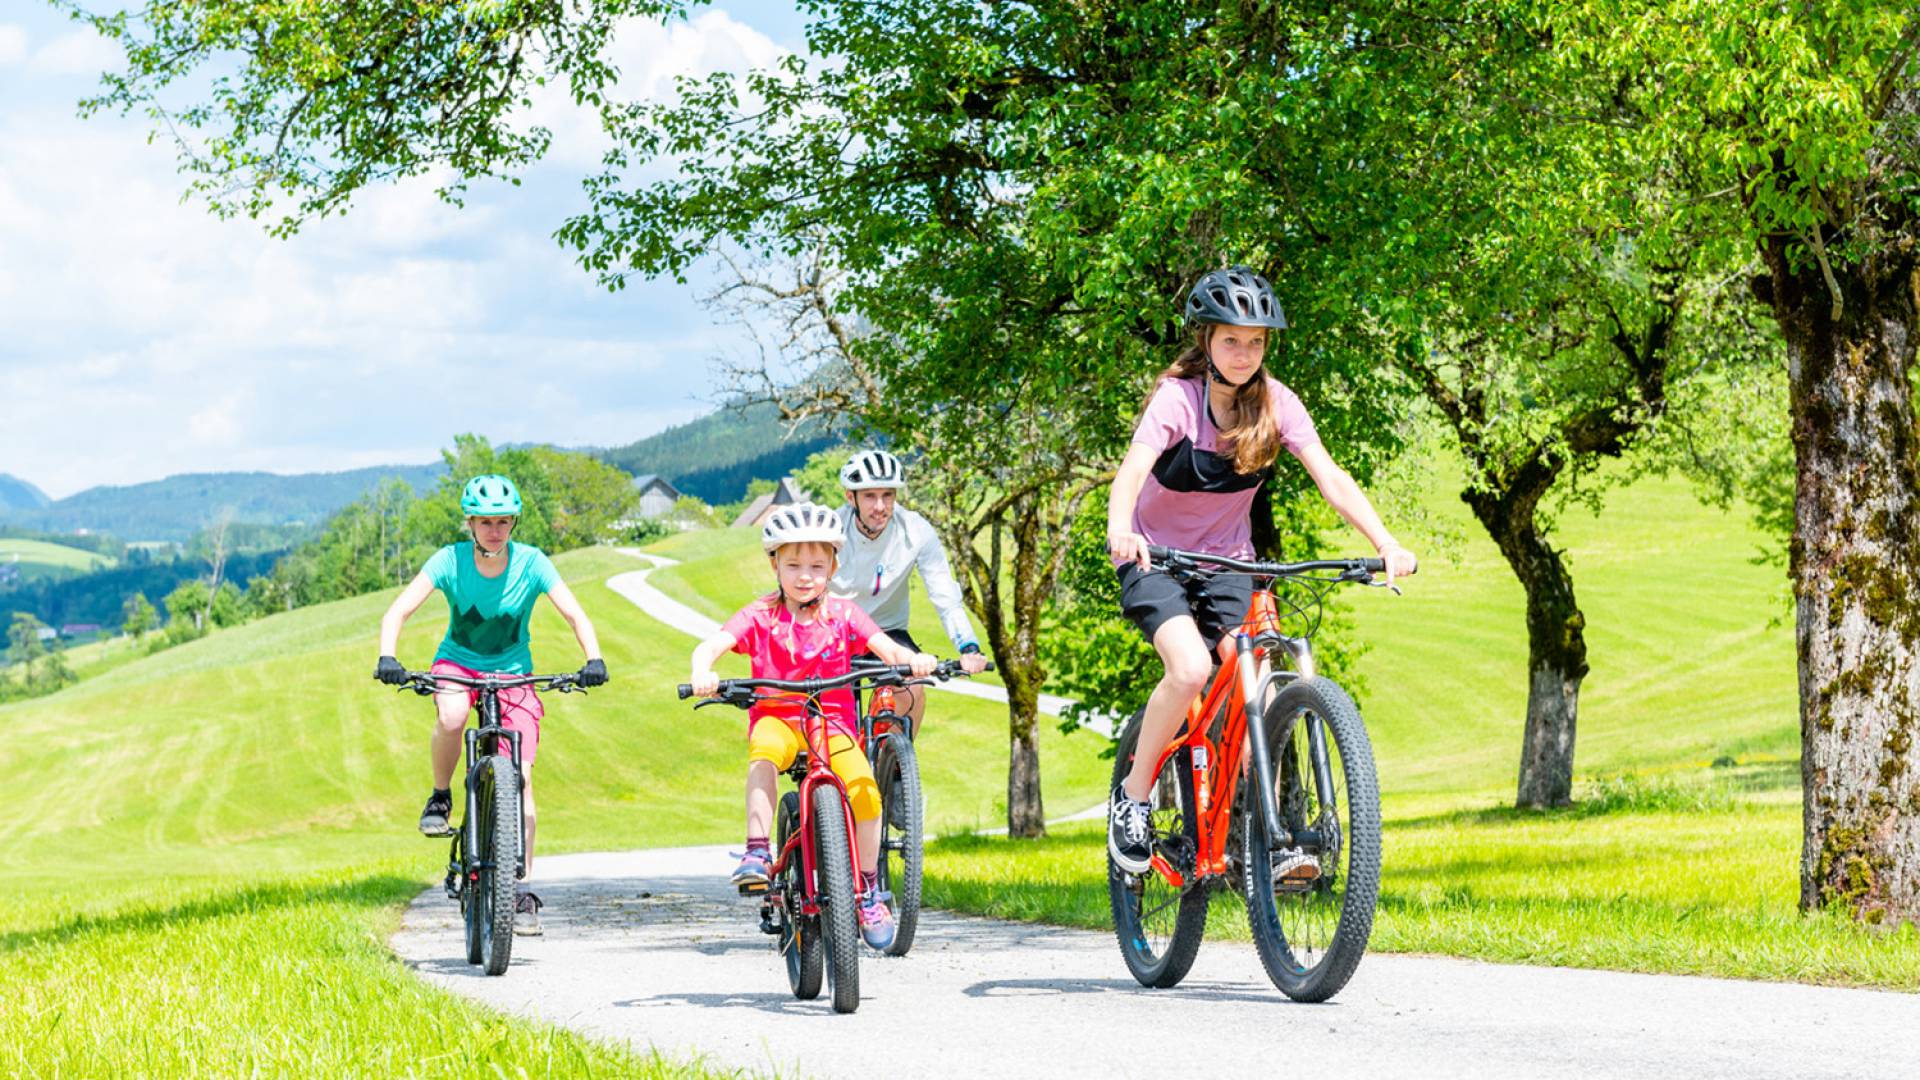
[(491, 584)]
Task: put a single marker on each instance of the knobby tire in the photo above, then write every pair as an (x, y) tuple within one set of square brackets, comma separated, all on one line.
[(800, 941), (1311, 941), (902, 836), (1159, 928), (838, 902)]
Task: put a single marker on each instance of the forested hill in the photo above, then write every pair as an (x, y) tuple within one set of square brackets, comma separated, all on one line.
[(179, 506), (17, 494), (715, 456)]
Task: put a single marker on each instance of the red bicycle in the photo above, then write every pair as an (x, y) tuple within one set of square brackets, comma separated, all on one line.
[(811, 903)]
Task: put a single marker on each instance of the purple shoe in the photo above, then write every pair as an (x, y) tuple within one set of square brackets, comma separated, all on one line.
[(876, 922), (753, 873)]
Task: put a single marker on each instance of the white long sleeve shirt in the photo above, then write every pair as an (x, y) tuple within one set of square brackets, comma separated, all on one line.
[(873, 573)]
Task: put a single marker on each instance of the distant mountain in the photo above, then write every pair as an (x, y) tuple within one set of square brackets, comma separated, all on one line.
[(17, 494), (179, 506), (716, 456)]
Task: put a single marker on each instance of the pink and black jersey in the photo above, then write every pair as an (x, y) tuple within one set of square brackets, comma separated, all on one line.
[(781, 648), (1193, 498)]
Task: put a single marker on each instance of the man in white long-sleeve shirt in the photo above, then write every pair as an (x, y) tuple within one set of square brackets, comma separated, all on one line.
[(885, 542)]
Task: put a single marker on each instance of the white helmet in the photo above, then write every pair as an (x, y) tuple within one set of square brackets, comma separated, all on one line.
[(802, 523), (872, 469)]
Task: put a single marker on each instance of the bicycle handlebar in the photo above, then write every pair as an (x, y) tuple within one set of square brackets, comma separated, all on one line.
[(740, 692), (1166, 558), (424, 682)]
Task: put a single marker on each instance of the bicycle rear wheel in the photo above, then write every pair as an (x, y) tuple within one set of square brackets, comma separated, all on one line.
[(1311, 936), (800, 941), (838, 901), (1159, 926), (902, 841)]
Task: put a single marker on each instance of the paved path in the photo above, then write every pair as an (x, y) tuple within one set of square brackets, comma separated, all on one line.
[(652, 949), (634, 586)]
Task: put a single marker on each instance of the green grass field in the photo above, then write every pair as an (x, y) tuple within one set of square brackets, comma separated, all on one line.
[(38, 559)]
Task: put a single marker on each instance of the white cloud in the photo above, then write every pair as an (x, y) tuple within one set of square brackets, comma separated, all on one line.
[(81, 52), (13, 44)]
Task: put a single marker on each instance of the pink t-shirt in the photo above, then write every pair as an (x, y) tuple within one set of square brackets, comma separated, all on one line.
[(781, 648), (1193, 498)]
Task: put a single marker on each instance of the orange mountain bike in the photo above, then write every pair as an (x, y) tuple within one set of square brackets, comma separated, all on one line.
[(1301, 842)]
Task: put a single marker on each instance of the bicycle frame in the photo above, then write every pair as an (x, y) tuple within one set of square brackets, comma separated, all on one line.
[(481, 742), (1215, 764), (819, 771)]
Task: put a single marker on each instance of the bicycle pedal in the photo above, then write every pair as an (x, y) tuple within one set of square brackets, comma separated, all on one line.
[(752, 889)]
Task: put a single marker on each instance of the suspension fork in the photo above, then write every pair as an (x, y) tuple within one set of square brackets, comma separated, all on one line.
[(1253, 704)]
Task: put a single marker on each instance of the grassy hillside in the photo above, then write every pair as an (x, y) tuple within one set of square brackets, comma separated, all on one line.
[(36, 559)]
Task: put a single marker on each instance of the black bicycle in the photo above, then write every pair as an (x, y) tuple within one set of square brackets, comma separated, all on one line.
[(887, 734), (488, 836)]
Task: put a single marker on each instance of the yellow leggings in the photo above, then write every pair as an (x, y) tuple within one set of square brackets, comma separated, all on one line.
[(776, 741)]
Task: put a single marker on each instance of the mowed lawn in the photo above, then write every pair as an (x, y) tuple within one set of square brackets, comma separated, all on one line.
[(1683, 854), (214, 842)]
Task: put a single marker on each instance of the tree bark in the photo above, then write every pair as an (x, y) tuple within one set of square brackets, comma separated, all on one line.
[(1853, 566), (1556, 638)]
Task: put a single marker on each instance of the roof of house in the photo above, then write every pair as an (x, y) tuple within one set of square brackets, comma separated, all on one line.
[(784, 493)]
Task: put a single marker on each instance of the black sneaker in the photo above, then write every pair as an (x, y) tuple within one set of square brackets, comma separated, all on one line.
[(526, 914), (1129, 833), (433, 820)]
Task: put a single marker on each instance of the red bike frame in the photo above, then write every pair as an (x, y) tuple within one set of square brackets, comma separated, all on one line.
[(819, 771)]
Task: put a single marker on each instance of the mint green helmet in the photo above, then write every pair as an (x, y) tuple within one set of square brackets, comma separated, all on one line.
[(490, 496)]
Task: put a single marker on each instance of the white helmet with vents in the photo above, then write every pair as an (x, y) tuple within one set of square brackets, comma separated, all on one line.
[(802, 523), (872, 469)]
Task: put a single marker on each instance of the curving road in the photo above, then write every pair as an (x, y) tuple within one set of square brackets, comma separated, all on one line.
[(653, 949)]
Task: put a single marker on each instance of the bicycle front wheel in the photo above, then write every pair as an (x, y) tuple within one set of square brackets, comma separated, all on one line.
[(902, 839), (1159, 924), (1312, 928), (498, 859), (838, 902)]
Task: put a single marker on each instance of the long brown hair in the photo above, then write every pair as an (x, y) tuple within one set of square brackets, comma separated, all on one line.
[(1254, 439)]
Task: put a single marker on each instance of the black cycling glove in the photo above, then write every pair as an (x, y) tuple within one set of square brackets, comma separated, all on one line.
[(593, 673), (389, 671)]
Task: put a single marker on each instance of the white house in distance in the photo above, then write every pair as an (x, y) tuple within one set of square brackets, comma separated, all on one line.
[(657, 496)]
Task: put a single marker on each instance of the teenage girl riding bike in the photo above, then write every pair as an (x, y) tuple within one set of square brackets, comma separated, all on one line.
[(491, 584), (1213, 425)]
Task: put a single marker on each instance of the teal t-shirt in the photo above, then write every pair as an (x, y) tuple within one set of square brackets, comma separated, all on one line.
[(487, 630)]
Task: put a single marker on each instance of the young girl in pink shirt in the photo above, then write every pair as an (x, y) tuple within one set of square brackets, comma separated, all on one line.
[(799, 632)]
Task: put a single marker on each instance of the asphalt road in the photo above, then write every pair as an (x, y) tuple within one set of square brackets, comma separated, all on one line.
[(652, 948)]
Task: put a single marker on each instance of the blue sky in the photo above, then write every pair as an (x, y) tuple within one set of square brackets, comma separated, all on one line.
[(141, 337)]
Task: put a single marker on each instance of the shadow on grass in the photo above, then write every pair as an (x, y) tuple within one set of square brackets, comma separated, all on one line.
[(373, 891), (1719, 791)]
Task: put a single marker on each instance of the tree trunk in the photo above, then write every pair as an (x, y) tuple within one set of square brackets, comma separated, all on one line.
[(1556, 641), (1026, 815), (1853, 566)]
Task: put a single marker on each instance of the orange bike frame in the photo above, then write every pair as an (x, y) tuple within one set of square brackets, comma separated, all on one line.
[(1216, 765)]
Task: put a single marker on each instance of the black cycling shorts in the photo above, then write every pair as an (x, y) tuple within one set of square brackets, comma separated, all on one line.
[(1217, 604)]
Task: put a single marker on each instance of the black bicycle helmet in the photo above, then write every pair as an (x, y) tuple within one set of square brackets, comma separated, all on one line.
[(1235, 296)]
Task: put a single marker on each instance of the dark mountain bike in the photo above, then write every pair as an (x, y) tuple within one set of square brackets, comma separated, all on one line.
[(487, 840), (888, 737), (1314, 809)]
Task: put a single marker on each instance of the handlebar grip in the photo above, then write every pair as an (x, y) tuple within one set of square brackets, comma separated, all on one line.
[(1376, 566), (1158, 553), (686, 691), (989, 666)]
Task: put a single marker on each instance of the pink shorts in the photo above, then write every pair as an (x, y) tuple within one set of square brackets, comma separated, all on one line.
[(520, 708)]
